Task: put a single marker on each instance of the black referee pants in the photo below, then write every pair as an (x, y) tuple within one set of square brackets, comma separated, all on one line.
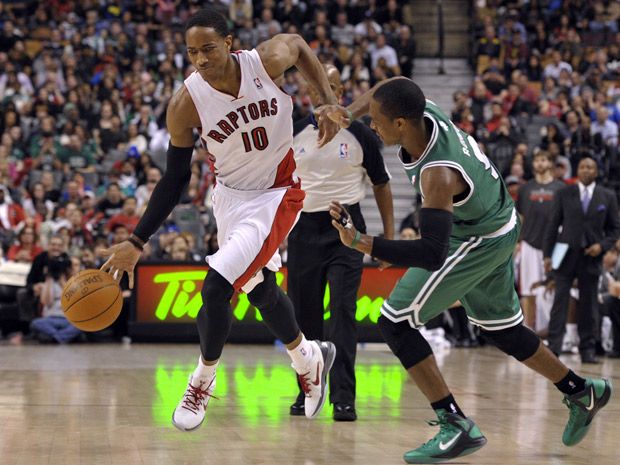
[(316, 257)]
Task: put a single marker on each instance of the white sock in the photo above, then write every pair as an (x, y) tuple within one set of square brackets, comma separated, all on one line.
[(302, 354), (204, 372)]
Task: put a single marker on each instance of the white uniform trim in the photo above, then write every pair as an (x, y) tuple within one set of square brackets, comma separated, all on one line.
[(431, 284), (450, 164), (431, 144), (510, 322)]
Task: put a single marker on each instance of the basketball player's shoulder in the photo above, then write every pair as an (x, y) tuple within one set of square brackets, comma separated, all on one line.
[(278, 53), (180, 102), (182, 110)]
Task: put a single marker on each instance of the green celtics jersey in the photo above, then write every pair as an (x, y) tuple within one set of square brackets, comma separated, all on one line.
[(487, 206)]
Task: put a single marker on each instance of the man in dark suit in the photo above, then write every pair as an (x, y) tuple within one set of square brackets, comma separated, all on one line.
[(588, 214)]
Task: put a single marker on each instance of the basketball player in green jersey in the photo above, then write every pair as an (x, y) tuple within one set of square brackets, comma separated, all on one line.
[(469, 229)]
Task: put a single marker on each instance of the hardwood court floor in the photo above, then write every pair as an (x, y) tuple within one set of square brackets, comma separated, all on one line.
[(111, 405)]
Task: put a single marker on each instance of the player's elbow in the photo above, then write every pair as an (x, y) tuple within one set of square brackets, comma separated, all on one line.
[(290, 39)]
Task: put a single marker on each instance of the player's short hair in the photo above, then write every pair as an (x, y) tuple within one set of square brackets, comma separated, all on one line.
[(208, 17), (401, 98), (544, 154)]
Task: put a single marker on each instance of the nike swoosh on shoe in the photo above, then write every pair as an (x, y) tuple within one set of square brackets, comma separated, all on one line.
[(592, 396), (448, 444)]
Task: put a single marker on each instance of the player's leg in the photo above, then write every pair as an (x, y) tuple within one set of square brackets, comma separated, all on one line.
[(312, 360), (214, 321), (419, 296), (530, 272), (344, 275), (306, 283), (558, 314), (587, 314), (493, 305)]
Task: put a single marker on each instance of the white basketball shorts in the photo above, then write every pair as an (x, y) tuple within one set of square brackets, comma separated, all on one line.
[(531, 269), (251, 225)]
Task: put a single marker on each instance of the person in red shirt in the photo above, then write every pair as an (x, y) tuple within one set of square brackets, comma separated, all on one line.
[(127, 217), (26, 248)]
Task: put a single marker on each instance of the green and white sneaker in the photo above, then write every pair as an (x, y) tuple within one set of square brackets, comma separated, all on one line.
[(583, 406), (457, 437)]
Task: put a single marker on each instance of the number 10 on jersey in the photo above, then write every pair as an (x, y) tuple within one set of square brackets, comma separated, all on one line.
[(259, 139)]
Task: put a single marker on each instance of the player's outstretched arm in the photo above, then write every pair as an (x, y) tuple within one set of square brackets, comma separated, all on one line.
[(440, 184), (360, 107), (181, 118), (284, 51)]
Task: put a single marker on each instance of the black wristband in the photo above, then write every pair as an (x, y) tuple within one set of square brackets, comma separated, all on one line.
[(136, 242)]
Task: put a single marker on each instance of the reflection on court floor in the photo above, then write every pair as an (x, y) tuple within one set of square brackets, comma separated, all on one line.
[(262, 392)]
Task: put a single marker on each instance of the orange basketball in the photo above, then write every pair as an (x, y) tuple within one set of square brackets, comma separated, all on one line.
[(92, 300)]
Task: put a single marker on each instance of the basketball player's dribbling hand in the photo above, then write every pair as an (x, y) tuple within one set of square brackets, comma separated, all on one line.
[(123, 259), (328, 128)]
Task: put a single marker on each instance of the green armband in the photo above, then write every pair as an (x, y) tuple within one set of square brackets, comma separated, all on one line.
[(356, 239)]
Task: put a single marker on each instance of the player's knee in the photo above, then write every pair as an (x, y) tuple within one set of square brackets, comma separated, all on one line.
[(265, 295), (518, 341), (404, 341), (216, 292)]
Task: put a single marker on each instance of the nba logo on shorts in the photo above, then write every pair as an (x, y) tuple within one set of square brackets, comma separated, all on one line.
[(258, 83), (344, 151)]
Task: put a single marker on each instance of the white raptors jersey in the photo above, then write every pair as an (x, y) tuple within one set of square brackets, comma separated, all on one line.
[(250, 136)]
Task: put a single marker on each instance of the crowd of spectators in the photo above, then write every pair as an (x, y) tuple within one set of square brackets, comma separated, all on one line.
[(84, 88), (553, 66)]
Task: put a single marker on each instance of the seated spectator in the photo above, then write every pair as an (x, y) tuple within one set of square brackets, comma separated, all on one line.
[(488, 47), (112, 203), (178, 250), (555, 67), (502, 144), (26, 248), (36, 205), (53, 326), (380, 49), (497, 114), (493, 77), (515, 53), (367, 26), (76, 156), (135, 139), (606, 15), (49, 185), (128, 216), (355, 70), (605, 127), (12, 216), (342, 31)]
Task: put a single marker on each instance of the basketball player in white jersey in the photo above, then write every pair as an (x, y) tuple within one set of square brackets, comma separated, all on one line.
[(245, 123)]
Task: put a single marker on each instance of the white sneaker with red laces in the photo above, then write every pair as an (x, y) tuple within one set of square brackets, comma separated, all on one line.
[(313, 379), (190, 413)]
